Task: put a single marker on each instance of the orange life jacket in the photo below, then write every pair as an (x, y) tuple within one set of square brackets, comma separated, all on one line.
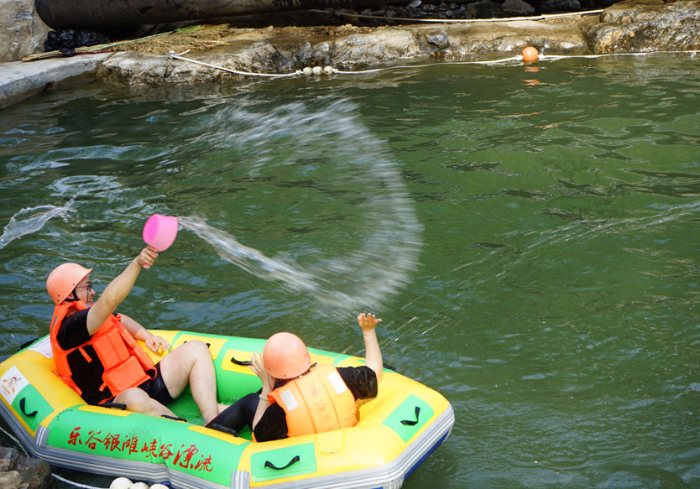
[(317, 402), (125, 364)]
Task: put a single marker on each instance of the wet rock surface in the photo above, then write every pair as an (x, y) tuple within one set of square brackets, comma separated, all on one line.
[(628, 26), (347, 48), (21, 30), (645, 26), (19, 472)]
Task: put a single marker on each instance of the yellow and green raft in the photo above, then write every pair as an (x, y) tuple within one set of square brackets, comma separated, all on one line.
[(395, 434)]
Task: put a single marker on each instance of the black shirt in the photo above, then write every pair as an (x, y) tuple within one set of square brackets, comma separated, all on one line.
[(361, 381), (87, 375)]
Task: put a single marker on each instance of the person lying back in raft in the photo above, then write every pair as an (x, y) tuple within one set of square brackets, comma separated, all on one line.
[(298, 398), (95, 351)]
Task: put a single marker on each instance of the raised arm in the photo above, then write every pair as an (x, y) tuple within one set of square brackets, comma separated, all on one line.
[(118, 289), (268, 383), (373, 354)]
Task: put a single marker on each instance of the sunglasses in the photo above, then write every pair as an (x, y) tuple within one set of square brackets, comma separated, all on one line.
[(88, 285)]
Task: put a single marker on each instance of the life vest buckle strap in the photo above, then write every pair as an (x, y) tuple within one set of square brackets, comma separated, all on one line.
[(87, 357)]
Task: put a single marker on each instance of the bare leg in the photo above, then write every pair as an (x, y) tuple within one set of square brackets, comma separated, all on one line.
[(191, 363), (138, 401)]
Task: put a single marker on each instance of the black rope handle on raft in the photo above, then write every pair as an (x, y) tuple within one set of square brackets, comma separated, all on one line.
[(208, 344), (174, 418), (224, 429), (291, 462), (115, 405), (22, 404), (242, 363), (409, 422), (26, 344)]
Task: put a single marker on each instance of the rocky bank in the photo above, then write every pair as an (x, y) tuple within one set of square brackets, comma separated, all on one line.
[(350, 40), (18, 472)]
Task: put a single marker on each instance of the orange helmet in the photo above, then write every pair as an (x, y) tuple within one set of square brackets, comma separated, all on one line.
[(63, 279), (285, 356)]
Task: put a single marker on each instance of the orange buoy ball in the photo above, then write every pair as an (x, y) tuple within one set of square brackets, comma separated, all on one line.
[(530, 54)]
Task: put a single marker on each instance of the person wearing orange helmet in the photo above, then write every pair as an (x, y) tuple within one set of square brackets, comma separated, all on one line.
[(96, 353), (298, 398)]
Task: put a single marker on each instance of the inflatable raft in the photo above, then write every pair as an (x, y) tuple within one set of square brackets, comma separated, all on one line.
[(396, 431)]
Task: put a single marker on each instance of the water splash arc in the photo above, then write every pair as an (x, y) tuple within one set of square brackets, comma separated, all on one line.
[(293, 146), (31, 220), (249, 259)]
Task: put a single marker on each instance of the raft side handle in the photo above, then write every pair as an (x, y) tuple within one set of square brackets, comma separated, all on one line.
[(27, 343), (22, 403), (174, 418), (223, 429), (115, 405), (410, 422), (291, 462), (242, 363)]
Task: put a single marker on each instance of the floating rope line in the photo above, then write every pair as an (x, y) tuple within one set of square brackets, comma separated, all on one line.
[(464, 21), (14, 440), (555, 57), (405, 67), (76, 484), (329, 70)]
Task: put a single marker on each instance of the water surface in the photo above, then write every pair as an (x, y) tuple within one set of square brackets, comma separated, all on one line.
[(530, 239)]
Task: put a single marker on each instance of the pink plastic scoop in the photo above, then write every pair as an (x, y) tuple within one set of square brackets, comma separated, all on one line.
[(160, 231)]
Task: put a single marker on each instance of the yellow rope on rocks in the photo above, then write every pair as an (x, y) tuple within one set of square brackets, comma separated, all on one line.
[(202, 37)]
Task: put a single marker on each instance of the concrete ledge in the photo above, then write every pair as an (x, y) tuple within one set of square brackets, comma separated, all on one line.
[(21, 80)]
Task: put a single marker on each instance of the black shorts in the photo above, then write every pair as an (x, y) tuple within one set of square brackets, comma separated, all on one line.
[(157, 389)]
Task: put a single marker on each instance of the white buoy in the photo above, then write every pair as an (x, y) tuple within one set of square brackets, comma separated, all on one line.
[(317, 70), (120, 483), (307, 71), (139, 485), (328, 70)]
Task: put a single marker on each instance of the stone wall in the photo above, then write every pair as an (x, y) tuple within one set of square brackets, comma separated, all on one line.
[(22, 32), (642, 26)]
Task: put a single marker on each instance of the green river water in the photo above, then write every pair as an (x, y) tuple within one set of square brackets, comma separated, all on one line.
[(530, 239)]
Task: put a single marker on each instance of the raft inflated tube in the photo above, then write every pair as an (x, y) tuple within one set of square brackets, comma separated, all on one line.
[(395, 433), (111, 14)]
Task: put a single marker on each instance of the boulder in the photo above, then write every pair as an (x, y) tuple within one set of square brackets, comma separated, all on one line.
[(18, 472), (637, 26), (517, 7), (484, 9), (148, 70), (22, 32), (549, 6), (380, 46)]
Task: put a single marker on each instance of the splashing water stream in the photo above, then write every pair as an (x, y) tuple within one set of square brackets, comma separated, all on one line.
[(31, 220)]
